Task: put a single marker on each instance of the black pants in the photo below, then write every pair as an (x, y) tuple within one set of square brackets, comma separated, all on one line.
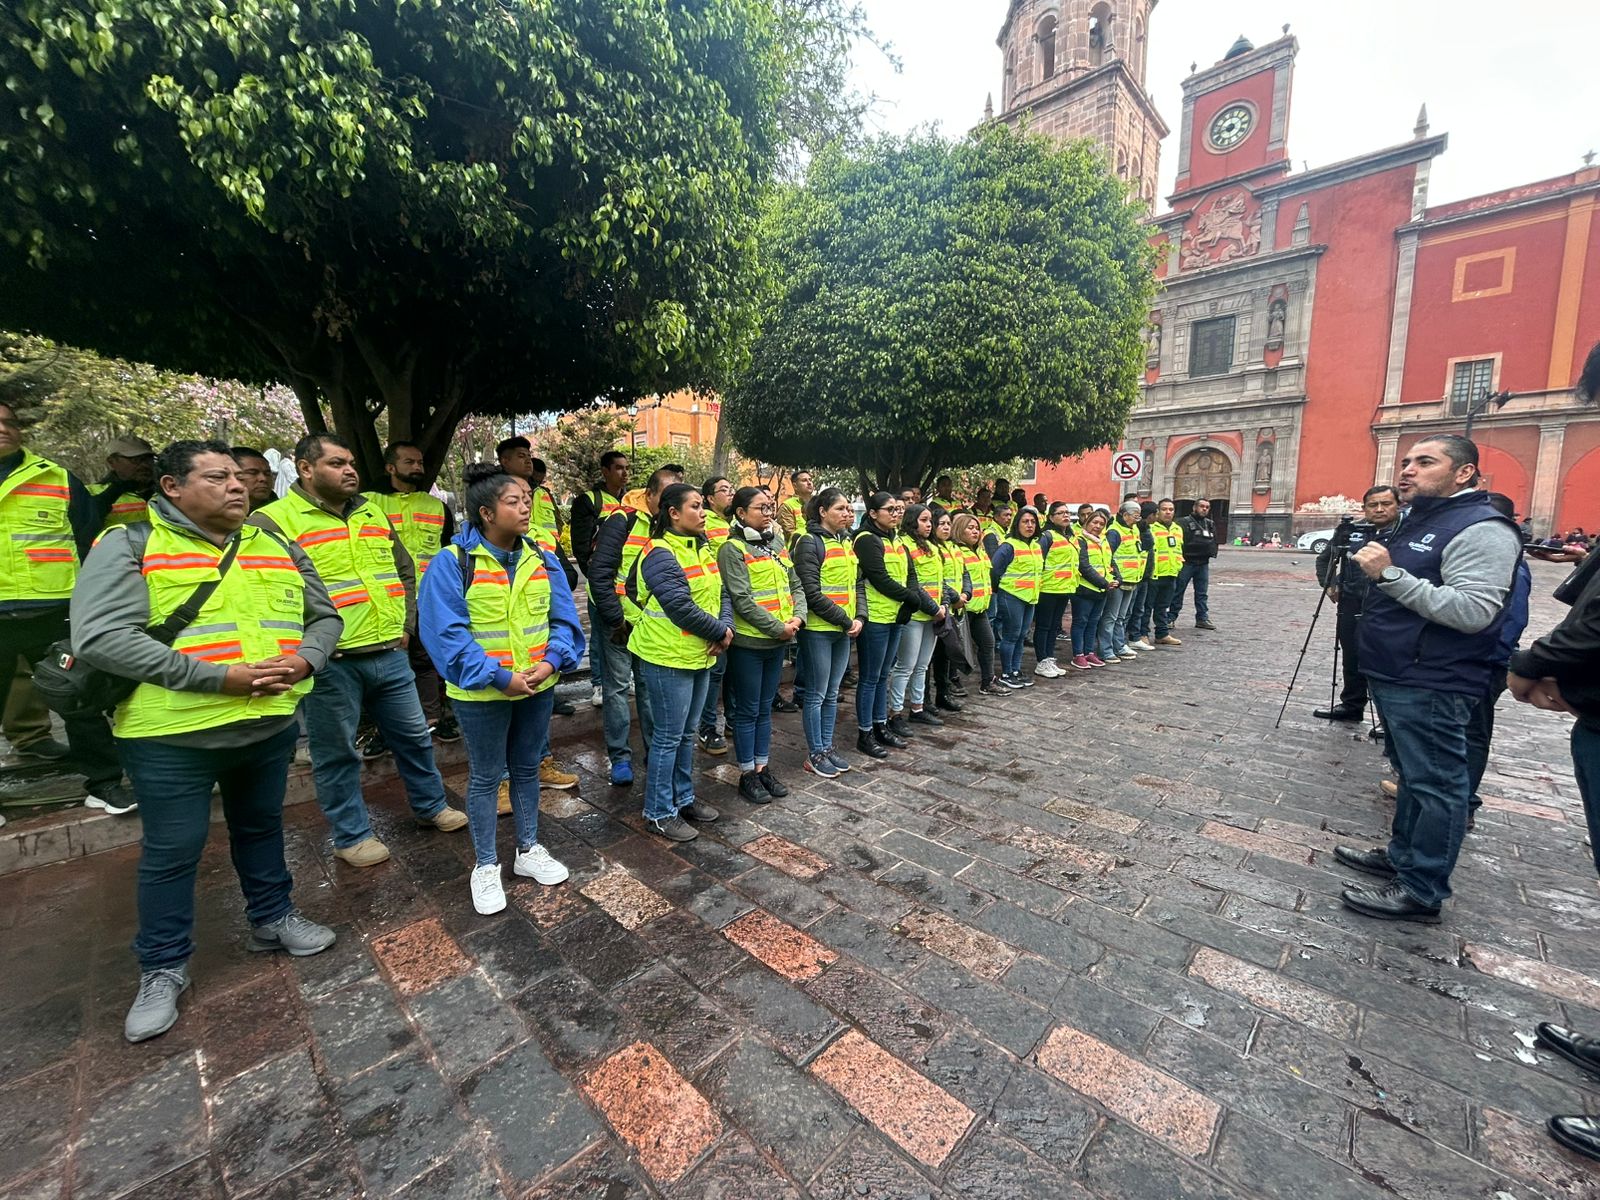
[(1354, 694), (983, 644), (93, 751)]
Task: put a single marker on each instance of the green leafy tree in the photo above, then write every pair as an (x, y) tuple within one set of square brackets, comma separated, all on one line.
[(935, 305), (407, 211), (571, 449)]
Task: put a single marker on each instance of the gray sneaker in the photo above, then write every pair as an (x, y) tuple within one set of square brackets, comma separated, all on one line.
[(294, 933), (155, 1008), (839, 761), (674, 829)]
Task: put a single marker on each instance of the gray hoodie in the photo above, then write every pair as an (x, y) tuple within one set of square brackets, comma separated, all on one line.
[(111, 614)]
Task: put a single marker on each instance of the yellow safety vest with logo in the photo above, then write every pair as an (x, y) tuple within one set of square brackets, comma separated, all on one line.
[(126, 509), (41, 557), (1169, 549), (1060, 574), (256, 613), (976, 561), (543, 515), (638, 539), (509, 618), (655, 637), (929, 567), (417, 520), (717, 529), (1099, 551), (354, 556), (1129, 554), (1023, 576), (769, 587), (952, 565), (988, 525), (883, 609), (837, 578)]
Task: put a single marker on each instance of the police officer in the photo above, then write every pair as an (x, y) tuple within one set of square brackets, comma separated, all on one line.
[(1430, 644), (48, 520), (215, 708), (372, 582), (124, 493), (1166, 566), (1380, 509)]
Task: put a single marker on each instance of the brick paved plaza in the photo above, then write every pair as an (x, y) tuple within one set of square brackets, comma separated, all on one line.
[(1086, 942)]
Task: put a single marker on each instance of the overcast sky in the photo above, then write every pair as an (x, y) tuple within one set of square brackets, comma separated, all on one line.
[(1516, 88)]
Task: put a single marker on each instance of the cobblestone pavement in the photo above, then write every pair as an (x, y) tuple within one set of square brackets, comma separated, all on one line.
[(1084, 942)]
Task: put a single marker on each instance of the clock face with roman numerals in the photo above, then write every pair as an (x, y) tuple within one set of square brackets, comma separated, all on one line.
[(1231, 126)]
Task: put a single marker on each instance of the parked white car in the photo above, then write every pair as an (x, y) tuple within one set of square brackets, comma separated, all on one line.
[(1316, 541)]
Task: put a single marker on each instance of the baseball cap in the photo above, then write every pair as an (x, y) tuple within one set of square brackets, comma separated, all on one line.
[(130, 447)]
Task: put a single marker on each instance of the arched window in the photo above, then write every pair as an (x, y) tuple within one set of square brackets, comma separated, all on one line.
[(1045, 35), (1099, 34), (1137, 56)]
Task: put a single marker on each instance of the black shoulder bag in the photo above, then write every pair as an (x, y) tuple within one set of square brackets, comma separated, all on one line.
[(74, 689)]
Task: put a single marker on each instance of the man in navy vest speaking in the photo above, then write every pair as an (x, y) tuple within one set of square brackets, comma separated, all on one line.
[(1431, 632)]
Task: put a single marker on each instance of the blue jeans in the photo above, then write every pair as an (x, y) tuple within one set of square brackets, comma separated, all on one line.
[(1198, 570), (618, 666), (825, 656), (879, 641), (1161, 603), (1138, 625), (1480, 734), (1086, 609), (677, 694), (1016, 615), (1427, 738), (1114, 620), (719, 672), (1047, 623), (1586, 763), (504, 738), (909, 678), (753, 676), (174, 784), (383, 684)]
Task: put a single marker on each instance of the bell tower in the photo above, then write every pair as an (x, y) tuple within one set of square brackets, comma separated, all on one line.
[(1076, 69)]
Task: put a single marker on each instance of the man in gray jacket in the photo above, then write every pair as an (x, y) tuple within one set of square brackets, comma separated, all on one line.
[(215, 705)]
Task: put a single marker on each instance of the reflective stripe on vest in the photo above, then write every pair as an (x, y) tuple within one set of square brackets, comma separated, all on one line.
[(1168, 549), (355, 559), (929, 566), (979, 568), (1022, 576), (417, 520), (256, 613), (717, 528), (509, 619), (1129, 555), (769, 587), (1060, 574), (655, 637), (837, 580), (126, 509), (1099, 552), (882, 609), (543, 515), (40, 556), (638, 539)]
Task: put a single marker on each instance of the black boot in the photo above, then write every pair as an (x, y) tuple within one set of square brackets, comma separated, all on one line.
[(770, 782), (867, 743), (750, 789), (1339, 712), (947, 703), (898, 726), (922, 716), (888, 738)]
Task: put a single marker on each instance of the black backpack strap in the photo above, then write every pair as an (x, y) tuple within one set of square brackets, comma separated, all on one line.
[(168, 630), (464, 565)]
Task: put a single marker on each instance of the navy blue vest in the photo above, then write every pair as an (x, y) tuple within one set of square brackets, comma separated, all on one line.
[(1400, 646)]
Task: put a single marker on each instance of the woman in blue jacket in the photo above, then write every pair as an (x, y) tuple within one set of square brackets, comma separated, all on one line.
[(496, 616)]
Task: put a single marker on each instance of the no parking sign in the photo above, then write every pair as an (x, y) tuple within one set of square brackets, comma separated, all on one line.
[(1127, 465)]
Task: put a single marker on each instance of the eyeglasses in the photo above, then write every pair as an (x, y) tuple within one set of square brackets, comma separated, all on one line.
[(766, 508)]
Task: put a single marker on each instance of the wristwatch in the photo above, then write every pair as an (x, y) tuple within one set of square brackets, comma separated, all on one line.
[(1391, 575)]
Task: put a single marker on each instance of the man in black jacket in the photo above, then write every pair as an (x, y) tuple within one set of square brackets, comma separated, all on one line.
[(1380, 509), (588, 509), (1199, 548)]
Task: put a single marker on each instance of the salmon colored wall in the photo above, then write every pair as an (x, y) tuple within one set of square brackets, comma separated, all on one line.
[(1205, 165), (1344, 381), (1517, 325), (1078, 479), (1589, 306), (1178, 446), (1504, 473), (1579, 500)]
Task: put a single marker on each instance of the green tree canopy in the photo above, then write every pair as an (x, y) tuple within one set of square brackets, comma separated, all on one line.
[(935, 305), (406, 209)]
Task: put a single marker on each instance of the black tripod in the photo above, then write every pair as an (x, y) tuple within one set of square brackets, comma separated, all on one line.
[(1335, 572)]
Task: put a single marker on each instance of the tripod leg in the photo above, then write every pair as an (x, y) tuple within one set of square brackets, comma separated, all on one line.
[(1289, 691)]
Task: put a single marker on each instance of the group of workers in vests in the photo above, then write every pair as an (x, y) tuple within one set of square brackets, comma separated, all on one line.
[(310, 612)]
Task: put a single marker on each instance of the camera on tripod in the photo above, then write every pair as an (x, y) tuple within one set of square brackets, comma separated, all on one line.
[(1348, 526)]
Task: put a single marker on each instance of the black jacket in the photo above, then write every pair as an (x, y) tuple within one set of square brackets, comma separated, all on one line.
[(869, 553), (809, 549), (1199, 537), (585, 519), (1352, 581), (603, 567), (1570, 653)]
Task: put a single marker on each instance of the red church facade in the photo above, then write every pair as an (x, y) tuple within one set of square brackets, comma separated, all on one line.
[(1311, 326)]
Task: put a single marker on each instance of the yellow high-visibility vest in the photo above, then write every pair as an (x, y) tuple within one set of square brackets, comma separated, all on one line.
[(656, 638), (508, 618), (839, 572), (417, 520), (1169, 549), (41, 556), (1023, 575)]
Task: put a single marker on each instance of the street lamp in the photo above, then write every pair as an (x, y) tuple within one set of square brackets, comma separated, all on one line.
[(1497, 399)]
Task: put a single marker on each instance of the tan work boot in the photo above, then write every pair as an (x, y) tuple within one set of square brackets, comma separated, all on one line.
[(552, 776), (1390, 788), (504, 804), (368, 852), (1169, 640), (446, 820)]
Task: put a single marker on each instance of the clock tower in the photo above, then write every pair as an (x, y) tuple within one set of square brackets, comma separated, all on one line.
[(1076, 69), (1236, 118)]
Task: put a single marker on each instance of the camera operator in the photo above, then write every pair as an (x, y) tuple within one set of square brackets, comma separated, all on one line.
[(1430, 637), (1346, 585)]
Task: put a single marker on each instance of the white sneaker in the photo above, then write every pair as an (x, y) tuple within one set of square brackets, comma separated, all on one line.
[(488, 894), (535, 862), (1126, 652), (597, 697), (1142, 644), (1043, 671)]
